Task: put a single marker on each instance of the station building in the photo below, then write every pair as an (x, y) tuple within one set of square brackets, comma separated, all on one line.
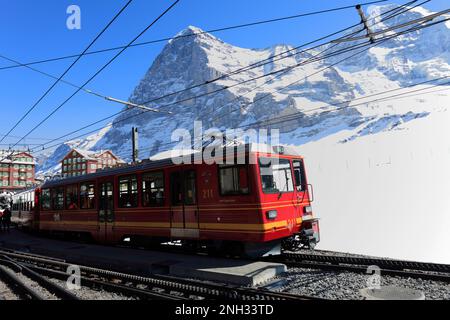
[(17, 170), (80, 162)]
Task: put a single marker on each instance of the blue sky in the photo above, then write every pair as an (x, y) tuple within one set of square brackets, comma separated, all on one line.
[(34, 30)]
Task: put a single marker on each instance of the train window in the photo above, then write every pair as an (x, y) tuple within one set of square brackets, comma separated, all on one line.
[(58, 199), (87, 196), (45, 199), (189, 187), (153, 189), (72, 197), (175, 188), (299, 175), (128, 192), (233, 179), (276, 175)]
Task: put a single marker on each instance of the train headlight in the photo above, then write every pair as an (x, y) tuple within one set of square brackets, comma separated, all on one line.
[(271, 214), (307, 209)]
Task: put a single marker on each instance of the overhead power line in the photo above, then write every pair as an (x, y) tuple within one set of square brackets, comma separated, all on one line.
[(98, 71), (280, 56), (99, 95), (245, 25), (127, 118), (386, 38), (371, 35), (68, 69), (344, 104), (403, 32)]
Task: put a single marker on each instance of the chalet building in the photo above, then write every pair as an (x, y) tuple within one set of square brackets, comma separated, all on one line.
[(80, 162), (17, 170)]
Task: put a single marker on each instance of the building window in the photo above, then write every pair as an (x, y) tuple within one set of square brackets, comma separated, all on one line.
[(87, 196), (72, 197), (16, 183), (153, 189), (58, 199), (83, 166), (128, 192), (69, 160), (233, 179), (5, 183), (276, 175), (93, 166), (45, 199)]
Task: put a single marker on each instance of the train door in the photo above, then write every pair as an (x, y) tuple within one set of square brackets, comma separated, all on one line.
[(184, 214), (301, 188), (106, 216)]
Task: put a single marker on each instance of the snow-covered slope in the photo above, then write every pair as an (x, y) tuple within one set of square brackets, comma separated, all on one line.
[(49, 163), (368, 160), (386, 194)]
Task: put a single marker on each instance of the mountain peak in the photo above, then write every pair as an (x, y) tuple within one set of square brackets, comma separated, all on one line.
[(190, 30), (194, 34)]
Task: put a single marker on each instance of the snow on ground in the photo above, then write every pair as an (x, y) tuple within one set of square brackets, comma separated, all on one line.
[(386, 194)]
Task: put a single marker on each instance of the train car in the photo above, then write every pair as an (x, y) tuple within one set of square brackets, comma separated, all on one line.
[(23, 207), (251, 201)]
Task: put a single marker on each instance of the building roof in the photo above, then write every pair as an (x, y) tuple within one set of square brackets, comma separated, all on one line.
[(85, 153), (92, 155), (5, 156)]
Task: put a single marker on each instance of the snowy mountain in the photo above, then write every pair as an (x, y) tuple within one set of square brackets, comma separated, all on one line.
[(188, 61), (353, 145)]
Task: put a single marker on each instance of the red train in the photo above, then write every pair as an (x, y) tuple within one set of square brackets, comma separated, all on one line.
[(253, 208)]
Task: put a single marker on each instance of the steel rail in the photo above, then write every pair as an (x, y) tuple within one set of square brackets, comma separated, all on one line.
[(51, 287), (18, 286), (400, 268), (380, 262), (168, 283), (108, 286), (363, 269)]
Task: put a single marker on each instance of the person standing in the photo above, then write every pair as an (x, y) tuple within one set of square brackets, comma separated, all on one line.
[(1, 218), (7, 218)]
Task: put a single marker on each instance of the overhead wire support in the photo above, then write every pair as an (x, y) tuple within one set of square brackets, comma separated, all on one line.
[(140, 106), (399, 26), (364, 22)]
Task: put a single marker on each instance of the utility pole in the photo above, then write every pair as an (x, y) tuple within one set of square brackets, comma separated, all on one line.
[(135, 147)]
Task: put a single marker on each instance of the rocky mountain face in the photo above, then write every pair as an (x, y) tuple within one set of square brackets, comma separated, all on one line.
[(319, 93)]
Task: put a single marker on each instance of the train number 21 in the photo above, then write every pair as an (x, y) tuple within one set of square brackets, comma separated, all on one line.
[(207, 193)]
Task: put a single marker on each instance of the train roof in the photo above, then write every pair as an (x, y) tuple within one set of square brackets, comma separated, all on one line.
[(165, 159)]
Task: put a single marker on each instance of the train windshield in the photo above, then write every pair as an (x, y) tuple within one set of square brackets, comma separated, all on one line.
[(276, 175)]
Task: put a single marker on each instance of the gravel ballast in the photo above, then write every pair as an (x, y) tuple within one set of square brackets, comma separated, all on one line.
[(347, 285)]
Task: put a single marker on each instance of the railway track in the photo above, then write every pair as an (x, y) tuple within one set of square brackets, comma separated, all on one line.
[(18, 277), (402, 268), (159, 287)]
